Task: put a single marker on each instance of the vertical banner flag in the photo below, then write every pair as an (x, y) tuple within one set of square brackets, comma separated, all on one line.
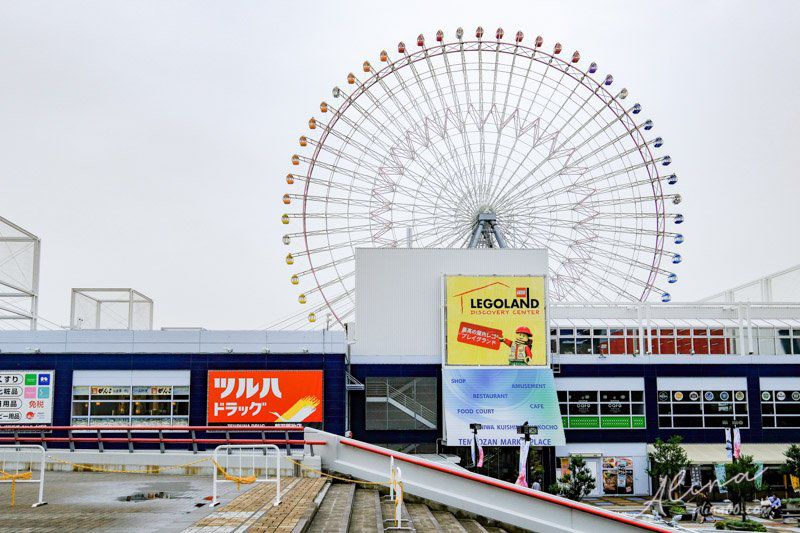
[(737, 443), (473, 449), (496, 320), (719, 473), (728, 444), (264, 396), (522, 479), (760, 476), (476, 449)]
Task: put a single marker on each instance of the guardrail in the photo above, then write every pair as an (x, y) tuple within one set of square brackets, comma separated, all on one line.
[(19, 476), (253, 452), (198, 438)]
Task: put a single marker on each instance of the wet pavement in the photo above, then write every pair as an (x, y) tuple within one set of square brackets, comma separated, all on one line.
[(99, 502)]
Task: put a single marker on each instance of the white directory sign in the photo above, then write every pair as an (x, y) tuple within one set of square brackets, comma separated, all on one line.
[(26, 397)]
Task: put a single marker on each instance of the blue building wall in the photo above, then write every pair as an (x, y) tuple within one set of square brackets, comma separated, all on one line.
[(650, 373), (334, 399), (198, 364)]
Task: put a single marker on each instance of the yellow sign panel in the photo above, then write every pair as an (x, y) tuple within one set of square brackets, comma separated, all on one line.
[(496, 320)]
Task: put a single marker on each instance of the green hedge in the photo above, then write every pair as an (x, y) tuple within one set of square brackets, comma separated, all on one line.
[(738, 525)]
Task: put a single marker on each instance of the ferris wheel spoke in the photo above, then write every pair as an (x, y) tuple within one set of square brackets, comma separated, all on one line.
[(591, 225), (457, 110), (447, 113), (324, 266), (424, 125), (599, 273), (573, 270), (568, 169)]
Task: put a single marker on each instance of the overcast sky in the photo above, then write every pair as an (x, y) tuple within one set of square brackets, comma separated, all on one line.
[(146, 142)]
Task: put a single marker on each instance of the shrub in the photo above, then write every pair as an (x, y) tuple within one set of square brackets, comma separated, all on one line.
[(738, 525), (676, 509), (576, 484)]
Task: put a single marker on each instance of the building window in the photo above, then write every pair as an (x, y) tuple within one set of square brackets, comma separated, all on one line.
[(780, 408), (625, 341), (595, 341), (701, 408), (773, 341), (401, 403), (123, 398), (609, 409)]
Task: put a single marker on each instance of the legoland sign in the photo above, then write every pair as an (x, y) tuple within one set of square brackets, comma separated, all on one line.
[(264, 396), (500, 399), (496, 320), (26, 397)]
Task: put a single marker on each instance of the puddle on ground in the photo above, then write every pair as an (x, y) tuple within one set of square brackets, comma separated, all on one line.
[(147, 496)]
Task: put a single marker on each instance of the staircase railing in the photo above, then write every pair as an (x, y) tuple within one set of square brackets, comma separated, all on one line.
[(383, 389)]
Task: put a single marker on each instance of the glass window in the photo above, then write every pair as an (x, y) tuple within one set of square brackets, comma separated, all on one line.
[(130, 406), (701, 408), (780, 408), (582, 396), (588, 409)]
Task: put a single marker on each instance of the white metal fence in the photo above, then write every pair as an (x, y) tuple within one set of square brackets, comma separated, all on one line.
[(246, 463), (16, 466)]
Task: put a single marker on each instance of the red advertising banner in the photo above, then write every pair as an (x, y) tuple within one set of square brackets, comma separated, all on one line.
[(264, 396), (478, 335)]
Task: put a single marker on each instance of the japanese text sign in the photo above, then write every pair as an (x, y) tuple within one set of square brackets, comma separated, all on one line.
[(26, 397), (264, 396)]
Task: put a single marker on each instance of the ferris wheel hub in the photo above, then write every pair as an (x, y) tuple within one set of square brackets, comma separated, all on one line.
[(486, 233)]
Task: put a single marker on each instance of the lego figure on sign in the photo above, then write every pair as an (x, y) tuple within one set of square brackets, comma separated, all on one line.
[(520, 353)]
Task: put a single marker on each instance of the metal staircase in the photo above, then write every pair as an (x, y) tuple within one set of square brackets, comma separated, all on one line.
[(382, 392)]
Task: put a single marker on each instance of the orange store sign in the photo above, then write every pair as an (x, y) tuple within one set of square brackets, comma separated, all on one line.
[(264, 396)]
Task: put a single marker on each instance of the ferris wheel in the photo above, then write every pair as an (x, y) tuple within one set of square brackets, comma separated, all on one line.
[(483, 143)]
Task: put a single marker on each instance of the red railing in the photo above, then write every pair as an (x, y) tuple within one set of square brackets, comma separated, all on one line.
[(507, 486), (197, 435)]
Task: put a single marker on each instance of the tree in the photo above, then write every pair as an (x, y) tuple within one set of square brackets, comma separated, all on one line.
[(792, 465), (577, 483), (667, 461), (740, 476)]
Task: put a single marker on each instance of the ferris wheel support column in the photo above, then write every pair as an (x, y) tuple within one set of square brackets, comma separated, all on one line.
[(487, 231)]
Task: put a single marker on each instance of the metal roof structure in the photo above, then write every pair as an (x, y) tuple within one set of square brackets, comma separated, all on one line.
[(19, 276), (783, 286)]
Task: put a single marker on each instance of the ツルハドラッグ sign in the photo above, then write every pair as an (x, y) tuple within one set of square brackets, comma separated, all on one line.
[(26, 397), (500, 399), (496, 320), (264, 396)]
